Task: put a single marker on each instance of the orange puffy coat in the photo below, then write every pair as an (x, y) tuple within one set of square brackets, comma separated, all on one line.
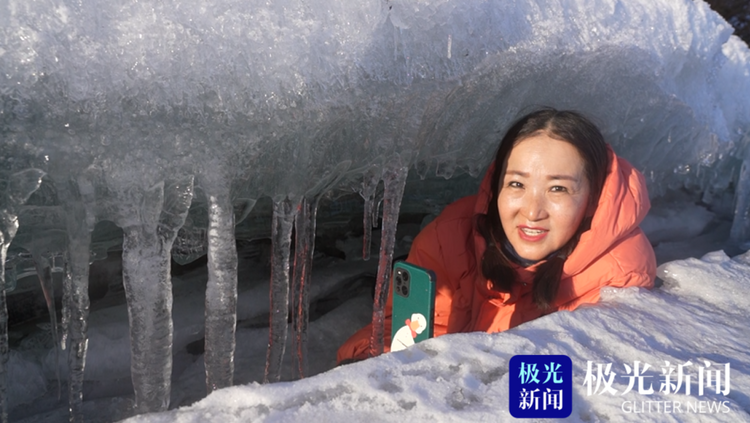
[(614, 252)]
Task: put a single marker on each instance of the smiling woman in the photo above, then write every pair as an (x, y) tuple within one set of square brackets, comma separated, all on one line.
[(546, 181), (544, 196), (556, 219)]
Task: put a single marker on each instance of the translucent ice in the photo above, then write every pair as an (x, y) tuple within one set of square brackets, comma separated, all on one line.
[(394, 179), (304, 227), (287, 95), (15, 189), (221, 289), (148, 235), (284, 212), (311, 84)]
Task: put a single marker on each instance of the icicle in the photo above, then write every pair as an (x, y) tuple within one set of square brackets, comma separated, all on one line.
[(20, 186), (7, 231), (221, 290), (65, 314), (148, 291), (304, 225), (281, 238), (740, 231), (79, 199), (377, 211), (369, 188), (394, 179), (148, 287), (77, 275), (44, 272)]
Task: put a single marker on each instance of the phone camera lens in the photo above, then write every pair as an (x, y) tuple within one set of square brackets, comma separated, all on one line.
[(401, 282)]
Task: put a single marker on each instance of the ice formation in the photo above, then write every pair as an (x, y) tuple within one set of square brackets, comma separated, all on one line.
[(171, 119), (698, 317), (15, 188), (221, 290)]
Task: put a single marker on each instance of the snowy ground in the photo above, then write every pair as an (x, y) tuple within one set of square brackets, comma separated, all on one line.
[(464, 377), (698, 314)]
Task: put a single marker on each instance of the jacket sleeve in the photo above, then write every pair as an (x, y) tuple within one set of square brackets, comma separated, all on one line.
[(424, 252), (357, 346)]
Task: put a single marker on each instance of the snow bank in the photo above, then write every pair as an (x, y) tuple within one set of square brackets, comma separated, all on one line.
[(700, 315)]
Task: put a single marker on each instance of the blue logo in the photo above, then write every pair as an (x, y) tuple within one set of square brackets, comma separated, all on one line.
[(541, 386)]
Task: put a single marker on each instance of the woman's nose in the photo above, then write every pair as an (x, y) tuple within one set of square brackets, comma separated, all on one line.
[(533, 207)]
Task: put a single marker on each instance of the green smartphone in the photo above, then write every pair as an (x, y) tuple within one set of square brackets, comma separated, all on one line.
[(413, 305)]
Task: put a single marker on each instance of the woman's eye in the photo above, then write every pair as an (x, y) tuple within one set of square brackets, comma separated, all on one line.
[(558, 188), (515, 184)]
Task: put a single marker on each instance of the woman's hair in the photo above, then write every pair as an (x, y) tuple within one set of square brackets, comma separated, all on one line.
[(567, 126)]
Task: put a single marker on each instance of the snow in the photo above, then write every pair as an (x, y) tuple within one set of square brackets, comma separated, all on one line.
[(698, 315)]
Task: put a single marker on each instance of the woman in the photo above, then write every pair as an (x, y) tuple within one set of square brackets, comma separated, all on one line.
[(556, 218)]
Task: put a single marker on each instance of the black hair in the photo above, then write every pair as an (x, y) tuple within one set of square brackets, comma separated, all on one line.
[(568, 126)]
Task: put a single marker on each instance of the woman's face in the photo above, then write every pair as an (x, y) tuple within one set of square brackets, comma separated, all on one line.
[(543, 195)]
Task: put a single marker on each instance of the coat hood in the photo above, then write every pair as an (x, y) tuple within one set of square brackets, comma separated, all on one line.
[(623, 204)]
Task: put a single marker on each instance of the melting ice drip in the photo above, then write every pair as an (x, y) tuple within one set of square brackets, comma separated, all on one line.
[(137, 104)]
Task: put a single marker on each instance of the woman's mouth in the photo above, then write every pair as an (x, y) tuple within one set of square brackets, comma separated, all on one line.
[(531, 234)]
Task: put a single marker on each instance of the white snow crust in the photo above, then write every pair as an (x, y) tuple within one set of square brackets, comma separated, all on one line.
[(700, 314)]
